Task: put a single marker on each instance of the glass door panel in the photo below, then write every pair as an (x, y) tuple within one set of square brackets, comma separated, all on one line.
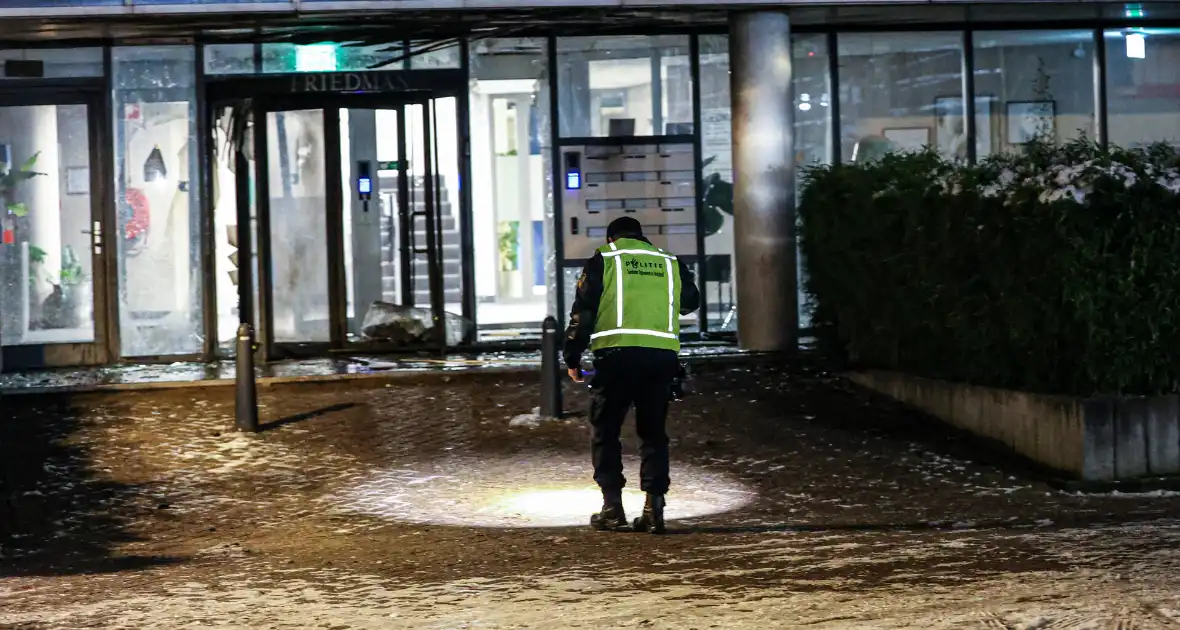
[(402, 254), (359, 208), (445, 168), (51, 239), (298, 237), (510, 240), (427, 197), (421, 202), (230, 187), (369, 138)]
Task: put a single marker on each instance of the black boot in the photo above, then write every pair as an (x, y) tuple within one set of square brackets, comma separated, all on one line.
[(611, 518), (652, 520)]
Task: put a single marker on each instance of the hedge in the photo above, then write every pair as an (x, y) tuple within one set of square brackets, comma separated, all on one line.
[(1057, 270)]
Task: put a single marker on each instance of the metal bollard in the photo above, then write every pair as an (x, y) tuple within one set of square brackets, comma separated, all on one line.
[(246, 407), (550, 369)]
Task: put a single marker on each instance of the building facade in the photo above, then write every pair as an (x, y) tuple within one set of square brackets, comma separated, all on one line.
[(460, 163)]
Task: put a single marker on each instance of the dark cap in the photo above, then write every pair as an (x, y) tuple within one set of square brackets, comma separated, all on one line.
[(623, 227)]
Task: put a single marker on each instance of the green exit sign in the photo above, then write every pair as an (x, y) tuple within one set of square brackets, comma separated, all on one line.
[(316, 58), (389, 166)]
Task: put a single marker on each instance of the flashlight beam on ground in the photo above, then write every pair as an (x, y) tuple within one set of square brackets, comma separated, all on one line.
[(501, 494)]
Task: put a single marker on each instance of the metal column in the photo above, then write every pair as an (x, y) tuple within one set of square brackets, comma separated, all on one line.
[(1101, 117), (764, 180), (364, 217)]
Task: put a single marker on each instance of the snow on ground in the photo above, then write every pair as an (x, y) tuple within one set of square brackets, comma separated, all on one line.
[(795, 504)]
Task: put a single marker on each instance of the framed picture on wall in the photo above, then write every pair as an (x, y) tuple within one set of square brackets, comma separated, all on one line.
[(950, 127), (77, 180), (908, 138), (1029, 119)]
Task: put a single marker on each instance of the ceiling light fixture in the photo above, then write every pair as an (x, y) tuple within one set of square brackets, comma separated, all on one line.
[(1136, 46)]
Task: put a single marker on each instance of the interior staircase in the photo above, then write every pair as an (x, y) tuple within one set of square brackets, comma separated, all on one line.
[(452, 256)]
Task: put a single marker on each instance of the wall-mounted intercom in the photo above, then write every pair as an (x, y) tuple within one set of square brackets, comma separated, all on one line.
[(651, 180), (573, 170), (364, 182)]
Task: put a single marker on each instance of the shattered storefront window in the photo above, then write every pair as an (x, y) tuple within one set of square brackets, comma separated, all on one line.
[(158, 205)]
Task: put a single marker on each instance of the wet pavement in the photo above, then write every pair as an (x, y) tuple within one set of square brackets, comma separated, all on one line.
[(183, 373), (439, 502)]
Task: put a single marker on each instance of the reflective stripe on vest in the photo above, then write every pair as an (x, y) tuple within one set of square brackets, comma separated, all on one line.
[(633, 331), (619, 297)]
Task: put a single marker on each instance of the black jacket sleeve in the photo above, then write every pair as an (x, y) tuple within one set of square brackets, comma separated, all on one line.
[(690, 295), (584, 311)]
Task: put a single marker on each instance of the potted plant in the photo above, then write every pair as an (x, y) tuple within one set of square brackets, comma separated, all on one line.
[(10, 179), (36, 259), (72, 281), (511, 282), (13, 221), (509, 245), (62, 308)]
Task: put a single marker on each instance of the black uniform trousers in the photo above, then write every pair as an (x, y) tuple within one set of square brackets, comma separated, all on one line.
[(626, 377)]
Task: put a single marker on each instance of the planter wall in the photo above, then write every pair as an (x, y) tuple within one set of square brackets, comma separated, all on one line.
[(1099, 439)]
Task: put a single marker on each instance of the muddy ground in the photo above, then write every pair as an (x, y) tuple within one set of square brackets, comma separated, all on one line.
[(798, 501)]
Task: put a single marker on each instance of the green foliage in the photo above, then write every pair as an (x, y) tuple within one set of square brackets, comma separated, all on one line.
[(10, 179), (1052, 271), (509, 245), (71, 268), (36, 255)]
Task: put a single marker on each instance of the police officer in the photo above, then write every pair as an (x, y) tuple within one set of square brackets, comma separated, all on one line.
[(627, 310)]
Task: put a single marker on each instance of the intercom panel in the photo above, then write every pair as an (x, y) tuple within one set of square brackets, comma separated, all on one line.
[(654, 182)]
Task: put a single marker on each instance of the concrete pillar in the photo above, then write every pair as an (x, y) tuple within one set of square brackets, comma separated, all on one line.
[(38, 135), (524, 197), (33, 131), (573, 95), (365, 226), (483, 181), (764, 180), (27, 131), (657, 94), (677, 90)]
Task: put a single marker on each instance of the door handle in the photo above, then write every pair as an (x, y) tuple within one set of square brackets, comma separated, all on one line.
[(95, 236), (95, 232)]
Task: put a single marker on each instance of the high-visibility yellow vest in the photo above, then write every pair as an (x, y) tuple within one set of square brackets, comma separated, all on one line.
[(640, 304)]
